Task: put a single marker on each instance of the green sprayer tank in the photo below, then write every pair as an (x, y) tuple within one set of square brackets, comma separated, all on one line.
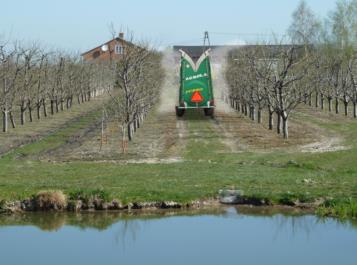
[(196, 90)]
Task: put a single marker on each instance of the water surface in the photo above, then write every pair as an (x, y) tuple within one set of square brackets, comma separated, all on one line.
[(215, 237)]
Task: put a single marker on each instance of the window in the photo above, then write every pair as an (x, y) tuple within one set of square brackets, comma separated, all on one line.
[(119, 49)]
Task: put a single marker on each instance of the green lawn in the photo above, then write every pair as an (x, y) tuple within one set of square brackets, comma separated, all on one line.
[(207, 166)]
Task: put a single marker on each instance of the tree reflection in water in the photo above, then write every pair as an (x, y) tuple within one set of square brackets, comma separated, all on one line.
[(283, 219)]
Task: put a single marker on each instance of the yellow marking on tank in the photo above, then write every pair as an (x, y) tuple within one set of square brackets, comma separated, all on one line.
[(189, 91)]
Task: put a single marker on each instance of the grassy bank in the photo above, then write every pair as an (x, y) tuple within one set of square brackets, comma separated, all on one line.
[(207, 165)]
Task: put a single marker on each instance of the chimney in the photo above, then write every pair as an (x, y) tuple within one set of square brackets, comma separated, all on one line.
[(121, 35)]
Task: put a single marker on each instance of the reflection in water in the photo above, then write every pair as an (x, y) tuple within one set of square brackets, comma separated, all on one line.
[(283, 222), (234, 235), (53, 221), (127, 231), (283, 218)]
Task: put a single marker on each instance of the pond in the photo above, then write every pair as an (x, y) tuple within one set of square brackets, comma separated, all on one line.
[(225, 235)]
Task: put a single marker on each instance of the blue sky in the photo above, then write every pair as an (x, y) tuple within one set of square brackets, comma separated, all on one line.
[(79, 25)]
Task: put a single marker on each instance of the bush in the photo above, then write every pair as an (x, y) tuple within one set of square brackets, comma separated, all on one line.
[(50, 200)]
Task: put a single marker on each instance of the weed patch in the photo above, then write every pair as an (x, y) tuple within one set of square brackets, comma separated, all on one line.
[(341, 208), (88, 195)]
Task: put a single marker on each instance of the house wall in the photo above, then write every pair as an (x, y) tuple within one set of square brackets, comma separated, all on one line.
[(97, 54)]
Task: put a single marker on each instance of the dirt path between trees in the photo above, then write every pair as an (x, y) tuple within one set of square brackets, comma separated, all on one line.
[(38, 129)]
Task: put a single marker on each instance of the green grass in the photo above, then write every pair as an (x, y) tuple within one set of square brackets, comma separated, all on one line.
[(57, 139), (86, 194), (341, 208), (208, 166)]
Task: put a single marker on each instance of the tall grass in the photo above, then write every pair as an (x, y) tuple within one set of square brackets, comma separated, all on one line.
[(341, 208)]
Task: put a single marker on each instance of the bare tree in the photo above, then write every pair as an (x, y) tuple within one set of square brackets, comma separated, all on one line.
[(27, 80), (30, 76), (270, 76), (352, 69), (9, 71)]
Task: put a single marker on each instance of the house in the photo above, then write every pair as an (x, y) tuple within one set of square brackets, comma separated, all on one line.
[(110, 50)]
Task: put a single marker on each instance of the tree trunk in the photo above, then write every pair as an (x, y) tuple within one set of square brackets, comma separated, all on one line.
[(62, 104), (38, 110), (317, 100), (44, 108), (278, 123), (22, 112), (69, 102), (271, 120), (337, 106), (252, 112), (134, 125), (310, 99), (12, 120), (30, 114), (22, 116), (259, 115), (354, 109), (322, 99), (346, 107), (5, 120), (329, 104), (52, 107), (79, 100), (285, 128), (57, 107), (130, 137)]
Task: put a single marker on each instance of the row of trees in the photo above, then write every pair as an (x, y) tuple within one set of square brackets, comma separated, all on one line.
[(138, 77), (321, 63), (267, 77), (37, 82)]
